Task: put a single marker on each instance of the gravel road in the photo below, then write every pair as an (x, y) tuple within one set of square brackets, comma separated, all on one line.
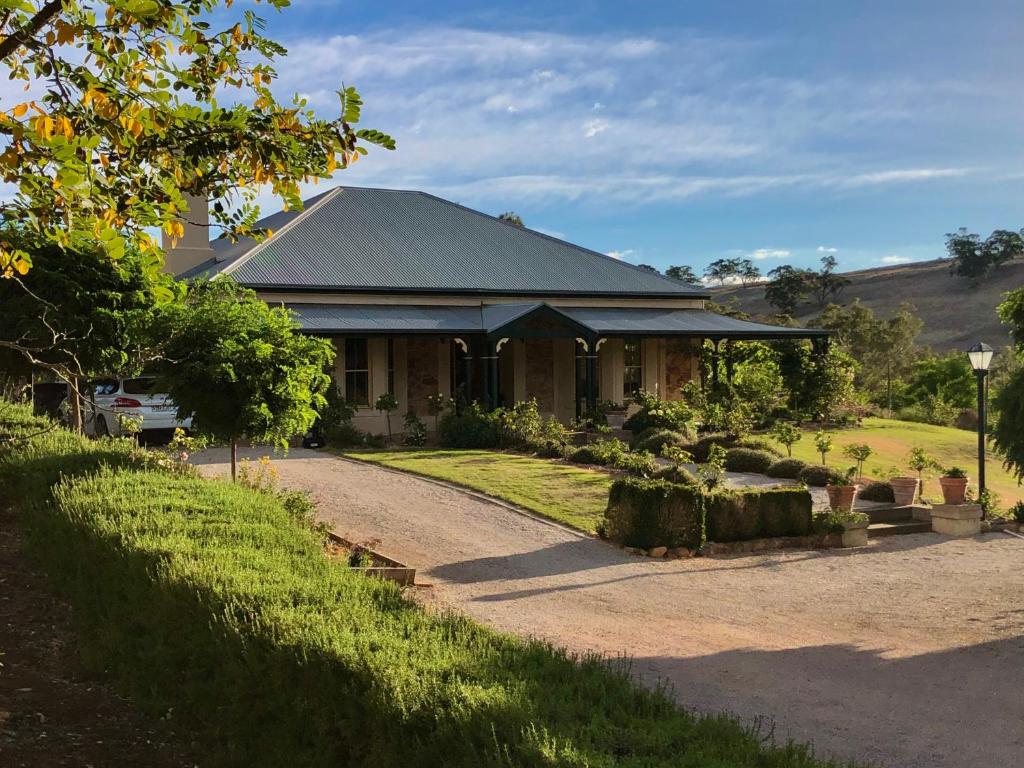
[(905, 653)]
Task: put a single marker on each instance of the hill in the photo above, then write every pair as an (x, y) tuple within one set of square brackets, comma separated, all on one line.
[(954, 314)]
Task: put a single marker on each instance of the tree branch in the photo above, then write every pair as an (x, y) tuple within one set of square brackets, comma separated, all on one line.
[(23, 36)]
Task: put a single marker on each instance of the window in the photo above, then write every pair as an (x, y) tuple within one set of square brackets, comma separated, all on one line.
[(357, 372), (632, 360), (391, 366)]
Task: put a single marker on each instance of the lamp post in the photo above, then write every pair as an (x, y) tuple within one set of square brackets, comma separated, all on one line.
[(980, 356)]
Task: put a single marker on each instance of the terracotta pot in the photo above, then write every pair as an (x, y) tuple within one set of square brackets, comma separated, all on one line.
[(954, 489), (904, 490), (840, 497)]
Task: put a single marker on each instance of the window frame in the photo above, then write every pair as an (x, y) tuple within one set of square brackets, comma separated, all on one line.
[(350, 372), (628, 392)]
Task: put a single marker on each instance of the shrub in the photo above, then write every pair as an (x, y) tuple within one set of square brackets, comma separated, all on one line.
[(654, 513), (748, 460), (761, 445), (758, 513), (655, 439), (635, 462), (967, 419), (217, 601), (675, 415), (836, 520), (1017, 511), (876, 492), (702, 447), (820, 476), (786, 468), (549, 450), (676, 474), (585, 454), (469, 428), (415, 430)]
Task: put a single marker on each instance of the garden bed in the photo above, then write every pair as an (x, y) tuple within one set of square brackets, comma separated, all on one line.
[(362, 559)]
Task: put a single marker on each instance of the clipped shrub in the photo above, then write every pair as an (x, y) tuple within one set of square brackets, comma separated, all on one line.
[(585, 454), (469, 428), (819, 476), (758, 513), (654, 513), (748, 460), (876, 492), (601, 452), (639, 463), (788, 469), (549, 450), (758, 444), (655, 439), (676, 474), (702, 448)]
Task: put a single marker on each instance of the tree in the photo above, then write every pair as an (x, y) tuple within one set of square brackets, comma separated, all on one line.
[(511, 217), (387, 404), (859, 452), (827, 285), (79, 314), (823, 444), (684, 274), (239, 367), (974, 258), (787, 434), (788, 288), (1008, 430), (748, 272), (722, 270), (141, 102), (949, 377), (819, 383), (649, 268)]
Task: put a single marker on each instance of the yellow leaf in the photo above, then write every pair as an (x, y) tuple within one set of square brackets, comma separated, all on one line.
[(20, 110)]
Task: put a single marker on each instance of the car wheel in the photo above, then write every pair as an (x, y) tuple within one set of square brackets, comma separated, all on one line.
[(101, 427)]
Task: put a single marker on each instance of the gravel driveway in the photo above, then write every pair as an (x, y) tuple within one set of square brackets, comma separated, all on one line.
[(906, 653)]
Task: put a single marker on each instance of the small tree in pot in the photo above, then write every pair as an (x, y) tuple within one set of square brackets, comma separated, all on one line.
[(842, 491), (954, 486), (387, 404)]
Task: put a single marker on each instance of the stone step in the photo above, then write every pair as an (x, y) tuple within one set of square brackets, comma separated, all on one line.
[(887, 514), (897, 528)]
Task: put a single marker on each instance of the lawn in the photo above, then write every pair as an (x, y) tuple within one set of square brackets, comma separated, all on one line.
[(892, 441), (569, 494)]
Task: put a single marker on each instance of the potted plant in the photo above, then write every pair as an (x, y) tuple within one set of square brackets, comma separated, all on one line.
[(854, 528), (954, 486), (841, 490), (904, 490)]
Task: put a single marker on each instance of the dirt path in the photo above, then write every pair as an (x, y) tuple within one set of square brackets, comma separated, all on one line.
[(907, 653), (49, 715)]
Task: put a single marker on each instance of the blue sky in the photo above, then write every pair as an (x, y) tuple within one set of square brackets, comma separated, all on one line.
[(678, 133)]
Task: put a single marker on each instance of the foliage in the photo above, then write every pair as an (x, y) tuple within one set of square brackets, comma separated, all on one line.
[(859, 452), (144, 101), (437, 405), (789, 287), (974, 258), (239, 367), (757, 513), (521, 427), (712, 471), (748, 460), (877, 491), (823, 444), (187, 574), (470, 427), (921, 462), (677, 455), (684, 274), (1008, 431), (949, 377), (663, 414), (955, 473), (656, 440), (1017, 512), (387, 404), (827, 285), (616, 454), (837, 520), (262, 477), (511, 217), (415, 431), (722, 270), (788, 469), (988, 500), (654, 513), (676, 474), (787, 434), (757, 383), (820, 476), (820, 385)]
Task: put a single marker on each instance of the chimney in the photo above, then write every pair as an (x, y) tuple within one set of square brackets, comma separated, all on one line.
[(193, 247)]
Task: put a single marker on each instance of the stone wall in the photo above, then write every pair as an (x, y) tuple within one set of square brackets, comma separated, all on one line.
[(422, 373), (539, 373)]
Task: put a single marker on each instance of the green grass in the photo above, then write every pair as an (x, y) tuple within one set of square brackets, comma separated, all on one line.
[(217, 603), (569, 494), (892, 441)]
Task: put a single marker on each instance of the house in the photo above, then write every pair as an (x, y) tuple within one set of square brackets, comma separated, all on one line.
[(425, 296)]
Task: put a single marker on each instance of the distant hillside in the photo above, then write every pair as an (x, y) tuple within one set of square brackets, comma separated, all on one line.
[(955, 316)]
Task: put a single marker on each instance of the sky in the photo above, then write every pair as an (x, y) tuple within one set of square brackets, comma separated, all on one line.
[(683, 132)]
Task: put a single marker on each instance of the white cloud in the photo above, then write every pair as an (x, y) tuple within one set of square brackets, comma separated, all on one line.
[(823, 249), (768, 253), (621, 255), (593, 127), (895, 259), (902, 175)]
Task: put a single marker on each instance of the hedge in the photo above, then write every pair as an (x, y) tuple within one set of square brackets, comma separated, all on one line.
[(788, 469), (875, 491), (820, 476), (217, 601), (654, 513), (748, 460), (758, 513), (674, 474)]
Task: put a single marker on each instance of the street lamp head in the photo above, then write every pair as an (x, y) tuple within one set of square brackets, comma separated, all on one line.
[(980, 356)]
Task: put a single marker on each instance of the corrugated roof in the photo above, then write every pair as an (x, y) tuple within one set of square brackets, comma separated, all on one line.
[(388, 240), (491, 318)]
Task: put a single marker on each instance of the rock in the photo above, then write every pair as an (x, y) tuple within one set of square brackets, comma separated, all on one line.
[(633, 551), (657, 551), (679, 552)]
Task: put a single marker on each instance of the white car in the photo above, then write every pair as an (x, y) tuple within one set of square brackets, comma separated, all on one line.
[(132, 399)]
